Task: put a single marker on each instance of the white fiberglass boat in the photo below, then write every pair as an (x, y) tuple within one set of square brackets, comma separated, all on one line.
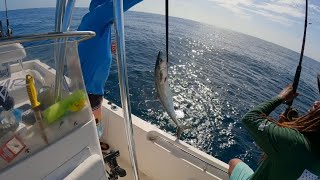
[(57, 138)]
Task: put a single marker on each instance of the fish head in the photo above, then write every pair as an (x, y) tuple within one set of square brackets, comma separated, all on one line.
[(162, 66), (162, 61)]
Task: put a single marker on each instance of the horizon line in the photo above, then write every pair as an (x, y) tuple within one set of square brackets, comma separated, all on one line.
[(215, 26)]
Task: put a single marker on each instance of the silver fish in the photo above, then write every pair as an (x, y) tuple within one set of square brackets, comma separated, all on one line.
[(163, 91)]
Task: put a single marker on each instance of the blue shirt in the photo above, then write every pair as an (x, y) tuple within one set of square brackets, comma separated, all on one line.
[(95, 54)]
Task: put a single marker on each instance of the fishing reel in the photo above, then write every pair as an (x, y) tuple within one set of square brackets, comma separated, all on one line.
[(288, 115), (115, 170), (9, 31), (292, 113)]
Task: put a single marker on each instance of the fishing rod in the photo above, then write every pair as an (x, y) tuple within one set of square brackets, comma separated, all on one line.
[(1, 30), (167, 29), (290, 112), (9, 30), (318, 80)]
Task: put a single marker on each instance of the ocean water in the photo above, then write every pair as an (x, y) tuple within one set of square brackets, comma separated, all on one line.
[(216, 76)]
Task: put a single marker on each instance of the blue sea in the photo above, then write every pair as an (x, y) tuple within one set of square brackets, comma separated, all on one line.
[(216, 76)]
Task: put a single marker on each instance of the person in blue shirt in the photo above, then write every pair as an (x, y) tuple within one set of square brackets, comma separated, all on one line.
[(95, 54)]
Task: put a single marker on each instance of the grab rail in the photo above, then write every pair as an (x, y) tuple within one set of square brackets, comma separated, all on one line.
[(83, 35), (154, 138)]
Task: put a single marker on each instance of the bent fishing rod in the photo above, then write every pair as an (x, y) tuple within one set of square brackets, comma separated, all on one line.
[(9, 30), (296, 80)]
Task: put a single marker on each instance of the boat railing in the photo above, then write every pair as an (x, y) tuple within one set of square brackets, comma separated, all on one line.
[(175, 146), (82, 35)]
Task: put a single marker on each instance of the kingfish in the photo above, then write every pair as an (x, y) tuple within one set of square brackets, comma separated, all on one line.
[(163, 91)]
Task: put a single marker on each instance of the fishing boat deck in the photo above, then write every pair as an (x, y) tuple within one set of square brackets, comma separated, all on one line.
[(159, 155), (128, 169)]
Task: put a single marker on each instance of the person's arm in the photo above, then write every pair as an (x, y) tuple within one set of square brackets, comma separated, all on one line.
[(102, 15), (256, 124), (268, 135)]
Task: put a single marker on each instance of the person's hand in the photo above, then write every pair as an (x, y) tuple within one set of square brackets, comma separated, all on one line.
[(113, 48), (315, 105), (287, 94)]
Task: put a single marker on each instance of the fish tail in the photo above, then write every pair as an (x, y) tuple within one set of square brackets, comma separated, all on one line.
[(180, 129)]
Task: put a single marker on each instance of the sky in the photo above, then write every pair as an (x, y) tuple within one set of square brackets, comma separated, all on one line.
[(277, 21)]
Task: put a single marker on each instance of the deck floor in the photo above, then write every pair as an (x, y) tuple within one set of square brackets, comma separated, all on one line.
[(128, 169)]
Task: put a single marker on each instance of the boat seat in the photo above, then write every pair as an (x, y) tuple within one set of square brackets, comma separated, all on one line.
[(12, 52)]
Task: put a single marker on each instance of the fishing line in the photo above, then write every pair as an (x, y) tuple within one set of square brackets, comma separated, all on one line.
[(167, 29), (318, 80)]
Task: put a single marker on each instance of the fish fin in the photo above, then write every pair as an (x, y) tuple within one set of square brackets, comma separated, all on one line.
[(180, 129)]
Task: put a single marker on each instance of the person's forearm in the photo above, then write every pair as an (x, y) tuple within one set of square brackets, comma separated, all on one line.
[(266, 107), (253, 119)]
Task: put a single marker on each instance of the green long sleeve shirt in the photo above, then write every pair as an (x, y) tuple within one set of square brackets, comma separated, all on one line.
[(289, 152)]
